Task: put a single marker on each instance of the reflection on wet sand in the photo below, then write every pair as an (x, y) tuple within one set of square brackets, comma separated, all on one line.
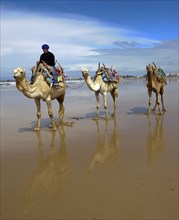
[(51, 172), (155, 139), (106, 150)]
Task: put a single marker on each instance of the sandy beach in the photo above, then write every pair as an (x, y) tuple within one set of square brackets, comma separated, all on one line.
[(123, 169)]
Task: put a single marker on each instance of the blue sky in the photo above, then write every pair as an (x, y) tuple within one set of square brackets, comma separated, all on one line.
[(125, 34)]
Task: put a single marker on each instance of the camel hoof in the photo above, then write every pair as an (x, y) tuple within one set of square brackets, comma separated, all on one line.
[(113, 115), (53, 129), (96, 118), (36, 129)]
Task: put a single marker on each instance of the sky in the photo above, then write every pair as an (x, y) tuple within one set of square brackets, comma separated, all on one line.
[(124, 34)]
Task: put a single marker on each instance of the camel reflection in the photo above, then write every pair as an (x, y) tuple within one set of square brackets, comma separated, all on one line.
[(155, 139), (107, 151), (51, 171)]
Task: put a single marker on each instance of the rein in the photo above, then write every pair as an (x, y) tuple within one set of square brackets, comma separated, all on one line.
[(77, 86)]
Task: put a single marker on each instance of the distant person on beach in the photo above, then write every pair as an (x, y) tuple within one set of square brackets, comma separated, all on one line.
[(49, 58)]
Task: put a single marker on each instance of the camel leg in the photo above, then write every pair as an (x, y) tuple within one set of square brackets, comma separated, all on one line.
[(105, 104), (157, 103), (50, 113), (154, 107), (97, 104), (150, 98), (113, 94), (163, 108), (96, 154), (61, 109), (106, 141), (37, 102), (60, 114)]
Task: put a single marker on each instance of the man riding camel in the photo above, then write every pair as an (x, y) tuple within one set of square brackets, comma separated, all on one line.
[(48, 58)]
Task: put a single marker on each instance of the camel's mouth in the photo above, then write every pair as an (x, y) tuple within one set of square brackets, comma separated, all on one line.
[(14, 75)]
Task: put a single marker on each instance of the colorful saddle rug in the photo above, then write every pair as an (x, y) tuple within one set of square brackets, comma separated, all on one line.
[(60, 73), (57, 71), (108, 74), (161, 76)]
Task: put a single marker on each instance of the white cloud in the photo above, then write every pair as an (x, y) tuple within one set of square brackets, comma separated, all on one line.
[(76, 43)]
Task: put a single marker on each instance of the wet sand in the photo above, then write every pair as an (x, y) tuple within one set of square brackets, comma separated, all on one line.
[(120, 169)]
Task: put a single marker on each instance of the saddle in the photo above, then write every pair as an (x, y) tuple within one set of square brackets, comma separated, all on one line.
[(108, 74), (160, 74)]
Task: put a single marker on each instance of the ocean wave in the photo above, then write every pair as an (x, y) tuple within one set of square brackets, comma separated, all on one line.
[(7, 83)]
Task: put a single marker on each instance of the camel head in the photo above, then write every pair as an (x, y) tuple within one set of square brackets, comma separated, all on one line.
[(85, 73), (100, 71), (149, 69), (19, 73)]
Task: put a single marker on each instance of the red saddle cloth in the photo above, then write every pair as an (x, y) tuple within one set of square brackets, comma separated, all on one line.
[(58, 72)]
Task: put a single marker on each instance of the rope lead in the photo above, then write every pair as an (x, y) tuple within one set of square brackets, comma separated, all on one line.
[(75, 87)]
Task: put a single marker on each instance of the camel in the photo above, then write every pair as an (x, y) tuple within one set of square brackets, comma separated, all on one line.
[(99, 86), (41, 90), (107, 151), (155, 138), (51, 170), (155, 84)]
